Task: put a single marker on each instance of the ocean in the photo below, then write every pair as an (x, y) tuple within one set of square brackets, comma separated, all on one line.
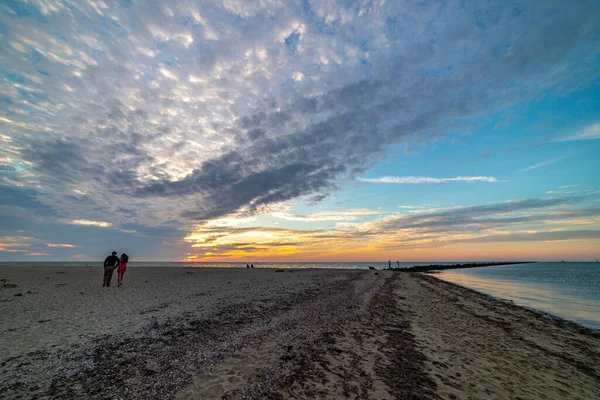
[(567, 290)]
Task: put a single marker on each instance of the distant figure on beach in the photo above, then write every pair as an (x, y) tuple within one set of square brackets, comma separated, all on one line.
[(398, 263), (247, 265), (122, 268), (251, 265), (110, 264), (390, 264)]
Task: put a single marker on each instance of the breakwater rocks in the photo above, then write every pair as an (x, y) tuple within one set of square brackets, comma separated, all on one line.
[(429, 268)]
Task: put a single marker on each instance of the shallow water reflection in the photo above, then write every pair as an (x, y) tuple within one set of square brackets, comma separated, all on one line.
[(569, 290)]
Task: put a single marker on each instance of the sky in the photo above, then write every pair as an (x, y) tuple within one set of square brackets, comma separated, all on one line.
[(334, 130)]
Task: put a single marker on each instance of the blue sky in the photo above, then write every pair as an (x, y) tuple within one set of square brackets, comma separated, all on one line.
[(310, 130)]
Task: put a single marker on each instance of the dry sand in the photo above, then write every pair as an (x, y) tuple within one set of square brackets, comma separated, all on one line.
[(256, 333)]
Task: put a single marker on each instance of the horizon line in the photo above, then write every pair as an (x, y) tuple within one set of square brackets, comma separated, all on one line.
[(300, 262)]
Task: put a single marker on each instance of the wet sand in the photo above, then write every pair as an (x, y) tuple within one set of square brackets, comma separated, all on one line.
[(240, 333)]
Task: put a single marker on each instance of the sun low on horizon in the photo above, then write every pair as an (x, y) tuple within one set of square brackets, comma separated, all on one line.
[(255, 131)]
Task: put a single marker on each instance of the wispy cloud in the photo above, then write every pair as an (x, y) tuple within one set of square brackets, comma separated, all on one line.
[(62, 245), (348, 215), (425, 179), (568, 186), (542, 164), (590, 132), (12, 244), (38, 254), (553, 236), (86, 222)]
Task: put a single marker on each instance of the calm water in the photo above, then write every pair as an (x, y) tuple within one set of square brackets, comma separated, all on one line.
[(568, 290)]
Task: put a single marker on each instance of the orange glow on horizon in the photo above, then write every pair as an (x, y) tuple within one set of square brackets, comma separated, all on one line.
[(567, 250)]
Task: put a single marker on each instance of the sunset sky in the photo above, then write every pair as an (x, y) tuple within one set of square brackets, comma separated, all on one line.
[(299, 130)]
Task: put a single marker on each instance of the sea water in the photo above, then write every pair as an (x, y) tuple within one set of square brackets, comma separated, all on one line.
[(567, 290)]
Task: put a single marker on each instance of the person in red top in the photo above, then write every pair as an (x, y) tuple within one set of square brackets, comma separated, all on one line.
[(122, 267)]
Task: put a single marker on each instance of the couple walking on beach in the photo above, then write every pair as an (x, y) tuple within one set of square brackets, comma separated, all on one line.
[(110, 264)]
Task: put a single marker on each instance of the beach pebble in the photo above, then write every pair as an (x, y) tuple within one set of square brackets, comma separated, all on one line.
[(152, 365), (18, 294)]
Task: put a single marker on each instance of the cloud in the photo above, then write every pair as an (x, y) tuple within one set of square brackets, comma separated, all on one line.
[(347, 215), (14, 244), (424, 179), (38, 254), (510, 221), (86, 222), (568, 186), (590, 132), (561, 192), (179, 113), (554, 236), (475, 218), (542, 164), (63, 245)]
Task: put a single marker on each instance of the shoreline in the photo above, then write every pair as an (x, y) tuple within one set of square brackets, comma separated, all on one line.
[(207, 333), (502, 346), (537, 313)]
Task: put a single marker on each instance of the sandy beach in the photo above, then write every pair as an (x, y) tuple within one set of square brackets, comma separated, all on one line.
[(201, 333)]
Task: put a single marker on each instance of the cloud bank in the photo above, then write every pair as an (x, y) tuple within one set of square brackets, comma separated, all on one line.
[(529, 220)]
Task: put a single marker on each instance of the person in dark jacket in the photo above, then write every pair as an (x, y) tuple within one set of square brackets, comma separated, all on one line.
[(110, 264)]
